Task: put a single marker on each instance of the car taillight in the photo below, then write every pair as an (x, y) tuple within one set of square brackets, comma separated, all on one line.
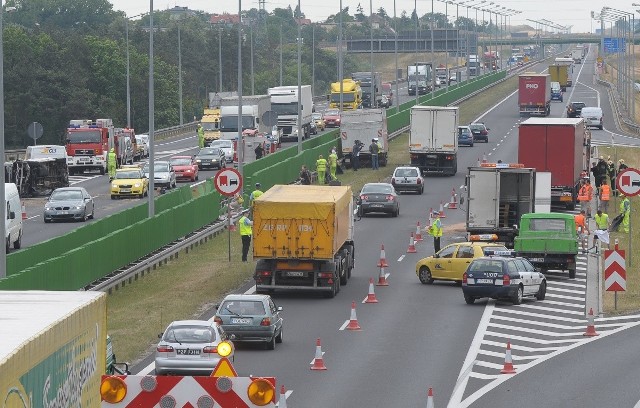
[(325, 275), (164, 349), (390, 198), (210, 350), (484, 132), (263, 273), (419, 181), (266, 322), (464, 278), (364, 197), (506, 280), (217, 319)]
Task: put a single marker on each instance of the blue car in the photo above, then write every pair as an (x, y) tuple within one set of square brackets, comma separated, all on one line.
[(465, 136)]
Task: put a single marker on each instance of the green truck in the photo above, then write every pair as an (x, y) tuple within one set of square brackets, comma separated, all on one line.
[(548, 241)]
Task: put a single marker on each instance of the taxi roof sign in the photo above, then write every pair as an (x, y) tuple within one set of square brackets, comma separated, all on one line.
[(224, 369)]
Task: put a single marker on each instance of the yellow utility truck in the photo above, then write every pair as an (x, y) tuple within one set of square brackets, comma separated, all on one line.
[(303, 238), (211, 125), (351, 95)]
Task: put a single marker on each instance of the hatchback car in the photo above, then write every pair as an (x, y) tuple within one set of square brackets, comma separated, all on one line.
[(191, 347), (69, 203), (500, 277), (319, 121), (465, 136), (378, 198), (407, 178), (185, 167), (332, 118), (574, 109), (251, 318), (227, 148), (452, 261), (480, 132), (210, 158), (163, 174), (129, 181)]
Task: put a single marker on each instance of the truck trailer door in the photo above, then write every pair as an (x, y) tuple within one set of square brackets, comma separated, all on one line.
[(543, 192), (483, 193)]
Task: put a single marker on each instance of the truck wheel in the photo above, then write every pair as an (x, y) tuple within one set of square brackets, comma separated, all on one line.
[(572, 272), (542, 291)]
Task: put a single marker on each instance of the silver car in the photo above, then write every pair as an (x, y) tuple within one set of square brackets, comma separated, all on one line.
[(163, 174), (226, 146), (191, 347), (69, 203)]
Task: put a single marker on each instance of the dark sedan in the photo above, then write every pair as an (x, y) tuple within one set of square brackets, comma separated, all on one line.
[(574, 109), (378, 198), (211, 157), (480, 132), (70, 204)]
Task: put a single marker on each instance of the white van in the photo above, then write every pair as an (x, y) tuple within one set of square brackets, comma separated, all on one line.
[(592, 117), (13, 224)]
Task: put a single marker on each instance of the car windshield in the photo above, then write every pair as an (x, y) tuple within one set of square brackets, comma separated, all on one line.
[(317, 116), (486, 265), (226, 144), (208, 152), (189, 334), (65, 195), (463, 132), (332, 113), (158, 168), (377, 188), (128, 175), (547, 224), (84, 136), (242, 307), (406, 173), (182, 161)]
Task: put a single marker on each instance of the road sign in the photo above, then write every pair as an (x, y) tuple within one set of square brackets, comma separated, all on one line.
[(615, 273), (34, 130), (614, 44), (343, 135), (628, 182), (228, 181), (270, 118)]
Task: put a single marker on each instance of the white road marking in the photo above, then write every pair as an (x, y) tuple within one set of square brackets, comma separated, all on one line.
[(401, 258), (344, 325), (287, 394)]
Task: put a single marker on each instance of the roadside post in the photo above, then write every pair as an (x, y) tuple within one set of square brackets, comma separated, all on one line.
[(228, 182), (615, 274), (628, 183)]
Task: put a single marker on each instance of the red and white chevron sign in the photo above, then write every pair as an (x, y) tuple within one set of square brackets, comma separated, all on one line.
[(615, 273)]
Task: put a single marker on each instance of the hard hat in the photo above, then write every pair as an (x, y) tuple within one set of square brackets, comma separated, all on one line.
[(436, 213), (375, 139), (621, 161)]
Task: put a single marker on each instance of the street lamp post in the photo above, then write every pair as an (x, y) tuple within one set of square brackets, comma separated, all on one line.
[(280, 54), (415, 5), (300, 134), (433, 82), (126, 30), (151, 117), (372, 101), (3, 208), (180, 75), (240, 143), (395, 52), (253, 82), (220, 59)]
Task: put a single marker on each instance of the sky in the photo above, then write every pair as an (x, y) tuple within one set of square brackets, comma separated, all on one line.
[(575, 13)]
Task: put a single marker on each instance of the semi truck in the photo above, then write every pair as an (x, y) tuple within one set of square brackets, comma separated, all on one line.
[(351, 95), (433, 139), (371, 85), (284, 101), (363, 126), (561, 146), (87, 143), (420, 78), (560, 74), (576, 54), (253, 107), (303, 238), (534, 94), (473, 65)]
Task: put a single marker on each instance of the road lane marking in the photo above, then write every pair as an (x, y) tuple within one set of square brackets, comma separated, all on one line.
[(401, 258)]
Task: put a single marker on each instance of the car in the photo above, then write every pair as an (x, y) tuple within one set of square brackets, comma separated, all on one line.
[(388, 91), (163, 174), (574, 109), (440, 81), (211, 157), (592, 117), (313, 128), (480, 131), (453, 78), (185, 167), (318, 118), (332, 118), (407, 178), (452, 261), (251, 318), (69, 203), (191, 347), (142, 143), (227, 147), (378, 198), (501, 277), (465, 136), (129, 182)]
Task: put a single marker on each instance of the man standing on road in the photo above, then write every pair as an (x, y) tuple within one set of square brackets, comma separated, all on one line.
[(333, 163), (605, 196), (200, 131), (435, 230), (585, 195), (305, 176), (111, 163), (245, 234), (259, 151), (374, 149), (321, 168), (602, 228), (625, 210), (255, 194)]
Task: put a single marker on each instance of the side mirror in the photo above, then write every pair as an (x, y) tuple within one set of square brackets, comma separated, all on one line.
[(12, 215), (279, 309), (461, 200), (160, 335)]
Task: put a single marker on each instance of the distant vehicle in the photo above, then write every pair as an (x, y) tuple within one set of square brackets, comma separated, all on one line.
[(13, 223), (502, 278), (556, 92), (407, 178), (592, 117), (191, 347), (574, 109), (69, 204), (142, 141), (465, 136), (251, 318), (185, 167), (318, 118), (227, 147), (453, 78), (211, 157), (332, 118), (378, 198), (480, 131), (129, 182), (163, 174), (388, 92)]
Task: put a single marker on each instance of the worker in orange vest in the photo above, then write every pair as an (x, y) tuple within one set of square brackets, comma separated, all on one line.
[(582, 228), (605, 196), (585, 195)]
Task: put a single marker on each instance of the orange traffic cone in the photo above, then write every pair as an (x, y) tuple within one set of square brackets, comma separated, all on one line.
[(383, 257), (412, 245), (318, 362), (508, 362), (418, 235), (353, 320), (430, 398), (382, 278), (442, 214), (591, 328), (453, 204), (24, 212), (371, 296), (282, 400)]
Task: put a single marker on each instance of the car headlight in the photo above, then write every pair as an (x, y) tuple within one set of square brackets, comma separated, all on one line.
[(187, 171), (77, 207), (136, 185), (198, 161), (114, 185)]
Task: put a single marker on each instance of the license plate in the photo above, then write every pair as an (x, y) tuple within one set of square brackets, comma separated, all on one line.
[(432, 156), (236, 320), (64, 212), (376, 205), (187, 352), (536, 259), (484, 281), (125, 190), (295, 274)]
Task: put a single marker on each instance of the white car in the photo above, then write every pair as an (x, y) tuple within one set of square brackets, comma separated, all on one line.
[(226, 146), (143, 142), (407, 178)]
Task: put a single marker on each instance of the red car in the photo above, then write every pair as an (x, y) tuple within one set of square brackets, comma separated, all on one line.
[(185, 168), (332, 118)]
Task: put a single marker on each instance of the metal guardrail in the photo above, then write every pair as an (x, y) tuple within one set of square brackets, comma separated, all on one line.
[(613, 95)]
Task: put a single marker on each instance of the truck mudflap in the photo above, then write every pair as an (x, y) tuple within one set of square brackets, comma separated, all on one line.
[(436, 163)]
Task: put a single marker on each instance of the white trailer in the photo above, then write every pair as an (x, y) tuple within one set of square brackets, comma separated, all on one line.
[(433, 140), (284, 101), (253, 107), (364, 125)]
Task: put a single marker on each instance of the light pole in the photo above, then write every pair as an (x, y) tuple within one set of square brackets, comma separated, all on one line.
[(300, 134), (340, 63), (415, 5), (433, 82), (180, 75), (395, 52), (280, 54), (313, 59), (219, 59), (253, 83), (151, 195), (372, 101), (240, 143)]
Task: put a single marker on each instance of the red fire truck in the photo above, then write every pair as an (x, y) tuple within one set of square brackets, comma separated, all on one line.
[(87, 144)]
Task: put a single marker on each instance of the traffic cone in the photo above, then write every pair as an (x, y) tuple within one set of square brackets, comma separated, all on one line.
[(353, 320), (412, 245), (282, 400), (382, 278), (430, 398), (418, 235), (24, 212), (508, 362), (591, 328), (318, 362), (453, 204), (442, 214), (383, 257), (371, 296)]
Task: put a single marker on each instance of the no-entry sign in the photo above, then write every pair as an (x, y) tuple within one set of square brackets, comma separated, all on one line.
[(628, 182)]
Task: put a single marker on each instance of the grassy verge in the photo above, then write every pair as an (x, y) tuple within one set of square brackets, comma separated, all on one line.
[(185, 287)]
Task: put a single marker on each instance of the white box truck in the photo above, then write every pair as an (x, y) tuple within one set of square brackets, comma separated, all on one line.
[(284, 101), (433, 139), (13, 224), (364, 125), (253, 107)]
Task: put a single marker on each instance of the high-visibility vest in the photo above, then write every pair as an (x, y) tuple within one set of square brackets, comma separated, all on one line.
[(436, 228), (580, 222), (111, 158), (256, 194), (583, 194), (333, 160), (602, 221), (589, 192), (605, 192), (625, 205), (321, 165), (245, 229)]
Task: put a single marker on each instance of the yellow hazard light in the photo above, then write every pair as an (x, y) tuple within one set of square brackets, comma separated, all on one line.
[(225, 348), (261, 392), (483, 237), (113, 390)]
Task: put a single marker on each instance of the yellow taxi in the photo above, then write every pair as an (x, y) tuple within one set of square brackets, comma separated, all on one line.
[(452, 261), (129, 181), (318, 118)]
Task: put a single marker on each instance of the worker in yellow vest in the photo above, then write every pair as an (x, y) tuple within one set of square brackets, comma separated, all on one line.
[(245, 234), (333, 163), (321, 168), (435, 230), (605, 196), (625, 210), (112, 162)]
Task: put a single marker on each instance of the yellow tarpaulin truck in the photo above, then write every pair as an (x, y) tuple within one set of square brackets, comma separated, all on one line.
[(351, 95), (211, 124), (303, 238), (560, 73)]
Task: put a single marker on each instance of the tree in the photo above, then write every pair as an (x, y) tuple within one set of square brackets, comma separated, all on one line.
[(382, 12), (360, 14), (297, 13)]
